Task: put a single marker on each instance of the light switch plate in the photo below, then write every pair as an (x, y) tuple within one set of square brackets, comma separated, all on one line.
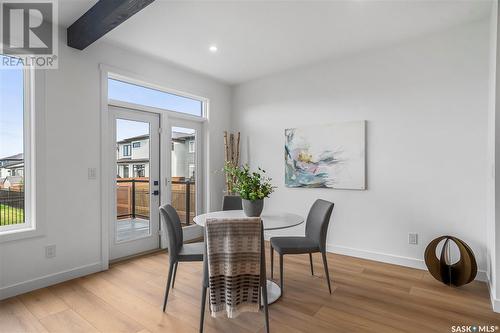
[(92, 173), (50, 251), (413, 238)]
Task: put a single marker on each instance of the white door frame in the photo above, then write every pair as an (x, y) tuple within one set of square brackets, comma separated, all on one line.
[(121, 249), (199, 155), (107, 182)]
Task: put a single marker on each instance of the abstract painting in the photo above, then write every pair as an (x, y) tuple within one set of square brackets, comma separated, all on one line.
[(326, 156)]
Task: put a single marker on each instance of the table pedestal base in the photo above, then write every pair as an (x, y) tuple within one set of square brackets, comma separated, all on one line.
[(273, 291)]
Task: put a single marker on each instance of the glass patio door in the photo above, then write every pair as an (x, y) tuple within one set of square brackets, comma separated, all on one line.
[(185, 192), (137, 197)]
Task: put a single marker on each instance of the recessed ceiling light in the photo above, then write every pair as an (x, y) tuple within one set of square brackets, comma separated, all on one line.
[(213, 48)]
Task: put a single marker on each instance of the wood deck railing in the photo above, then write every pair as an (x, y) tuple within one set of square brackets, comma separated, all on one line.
[(132, 198)]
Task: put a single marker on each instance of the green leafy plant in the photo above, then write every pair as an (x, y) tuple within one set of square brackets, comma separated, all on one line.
[(249, 185)]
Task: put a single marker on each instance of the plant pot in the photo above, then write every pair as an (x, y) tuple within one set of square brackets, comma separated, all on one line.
[(253, 208)]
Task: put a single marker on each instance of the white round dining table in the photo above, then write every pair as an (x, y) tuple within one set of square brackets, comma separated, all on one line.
[(270, 221)]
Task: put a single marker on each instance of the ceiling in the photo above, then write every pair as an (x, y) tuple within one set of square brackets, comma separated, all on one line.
[(71, 10), (258, 38)]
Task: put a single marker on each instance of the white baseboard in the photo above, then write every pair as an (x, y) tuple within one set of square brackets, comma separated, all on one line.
[(495, 302), (389, 258), (48, 280)]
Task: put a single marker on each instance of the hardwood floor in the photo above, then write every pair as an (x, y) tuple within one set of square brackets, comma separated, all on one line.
[(367, 297)]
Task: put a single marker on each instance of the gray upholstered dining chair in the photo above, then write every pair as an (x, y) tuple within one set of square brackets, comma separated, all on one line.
[(231, 202), (313, 241), (177, 251)]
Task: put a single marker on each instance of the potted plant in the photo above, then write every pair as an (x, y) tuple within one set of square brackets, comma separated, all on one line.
[(252, 187)]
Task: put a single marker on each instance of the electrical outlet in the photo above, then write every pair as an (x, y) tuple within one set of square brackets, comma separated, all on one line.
[(92, 173), (412, 238), (50, 251)]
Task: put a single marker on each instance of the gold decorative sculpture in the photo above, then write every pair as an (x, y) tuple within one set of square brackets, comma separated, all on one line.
[(457, 274)]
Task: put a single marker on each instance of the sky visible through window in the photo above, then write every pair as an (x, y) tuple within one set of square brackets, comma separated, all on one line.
[(11, 110), (127, 92), (126, 129)]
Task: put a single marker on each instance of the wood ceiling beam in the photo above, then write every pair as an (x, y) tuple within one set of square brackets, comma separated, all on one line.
[(103, 17)]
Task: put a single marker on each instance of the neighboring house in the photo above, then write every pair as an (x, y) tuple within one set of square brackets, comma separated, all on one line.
[(132, 156), (12, 166), (183, 155)]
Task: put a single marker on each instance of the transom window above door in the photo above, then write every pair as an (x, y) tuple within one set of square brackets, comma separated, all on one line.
[(136, 94)]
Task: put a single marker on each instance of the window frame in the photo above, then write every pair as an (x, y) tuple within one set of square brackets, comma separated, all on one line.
[(32, 140), (129, 150), (192, 146), (126, 168), (136, 144), (139, 168), (109, 72), (128, 81)]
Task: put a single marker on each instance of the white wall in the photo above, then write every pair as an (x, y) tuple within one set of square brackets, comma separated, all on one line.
[(493, 188), (426, 105), (72, 217)]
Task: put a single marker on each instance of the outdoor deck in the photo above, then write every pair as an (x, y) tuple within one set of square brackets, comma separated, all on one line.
[(131, 229)]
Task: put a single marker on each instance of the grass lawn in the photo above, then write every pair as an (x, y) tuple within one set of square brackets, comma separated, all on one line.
[(10, 215)]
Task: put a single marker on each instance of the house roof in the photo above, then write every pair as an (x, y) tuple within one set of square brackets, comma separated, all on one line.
[(16, 157), (134, 138), (13, 165), (176, 136), (182, 136), (131, 160), (10, 161)]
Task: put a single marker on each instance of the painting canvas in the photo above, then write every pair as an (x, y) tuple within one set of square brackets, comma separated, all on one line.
[(326, 156)]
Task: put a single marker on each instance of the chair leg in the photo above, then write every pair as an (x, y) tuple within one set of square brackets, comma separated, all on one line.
[(272, 260), (325, 263), (203, 303), (169, 281), (281, 275), (311, 261), (175, 274), (266, 305)]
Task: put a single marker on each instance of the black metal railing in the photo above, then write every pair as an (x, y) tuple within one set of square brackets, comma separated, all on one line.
[(11, 207), (132, 200)]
